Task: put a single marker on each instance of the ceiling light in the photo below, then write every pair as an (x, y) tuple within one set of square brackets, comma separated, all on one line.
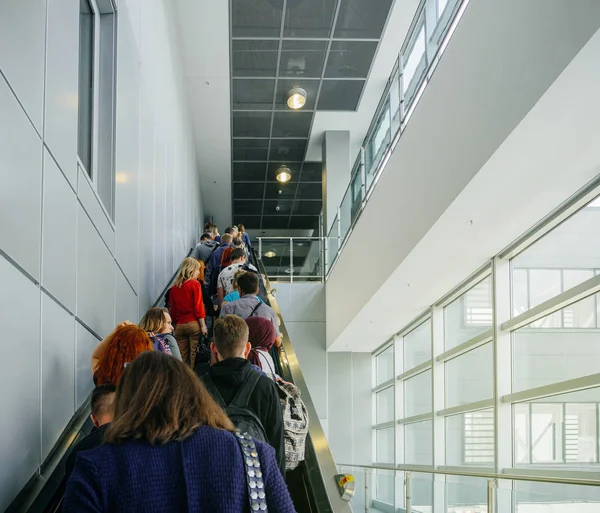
[(270, 254), (283, 174), (296, 98)]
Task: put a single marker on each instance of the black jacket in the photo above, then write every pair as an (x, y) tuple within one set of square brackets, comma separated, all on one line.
[(93, 440), (229, 374)]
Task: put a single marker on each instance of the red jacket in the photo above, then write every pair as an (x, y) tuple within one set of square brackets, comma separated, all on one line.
[(186, 302)]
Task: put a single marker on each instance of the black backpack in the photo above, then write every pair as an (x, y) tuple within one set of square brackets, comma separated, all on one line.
[(238, 412)]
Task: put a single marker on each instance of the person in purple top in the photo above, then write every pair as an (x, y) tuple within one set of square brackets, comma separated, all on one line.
[(171, 448)]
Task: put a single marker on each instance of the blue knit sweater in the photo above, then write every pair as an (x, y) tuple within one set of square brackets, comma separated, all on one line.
[(202, 474)]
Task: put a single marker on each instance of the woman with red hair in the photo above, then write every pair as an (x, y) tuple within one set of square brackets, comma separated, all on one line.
[(126, 342)]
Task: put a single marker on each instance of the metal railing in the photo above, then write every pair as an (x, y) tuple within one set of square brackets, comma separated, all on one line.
[(293, 259), (493, 483), (432, 27)]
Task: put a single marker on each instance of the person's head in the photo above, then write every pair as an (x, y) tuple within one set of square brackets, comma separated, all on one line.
[(238, 255), (229, 230), (237, 274), (205, 236), (237, 242), (124, 345), (103, 398), (248, 284), (214, 231), (241, 229), (159, 399), (234, 230), (207, 226), (226, 238), (261, 332), (189, 269), (157, 320), (230, 338)]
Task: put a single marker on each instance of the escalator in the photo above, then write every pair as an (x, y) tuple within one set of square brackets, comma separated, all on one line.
[(312, 485)]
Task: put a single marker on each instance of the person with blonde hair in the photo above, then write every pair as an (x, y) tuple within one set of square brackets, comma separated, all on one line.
[(171, 448), (159, 326), (187, 309)]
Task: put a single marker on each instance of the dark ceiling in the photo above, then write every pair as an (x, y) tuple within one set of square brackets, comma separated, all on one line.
[(325, 47)]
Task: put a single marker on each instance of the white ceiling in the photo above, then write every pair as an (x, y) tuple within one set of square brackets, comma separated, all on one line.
[(455, 192), (401, 16), (205, 44)]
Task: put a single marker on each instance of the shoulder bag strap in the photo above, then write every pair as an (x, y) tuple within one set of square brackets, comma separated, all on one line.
[(256, 307), (242, 397), (255, 480), (213, 390)]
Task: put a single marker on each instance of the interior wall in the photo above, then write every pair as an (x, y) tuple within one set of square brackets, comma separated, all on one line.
[(69, 272)]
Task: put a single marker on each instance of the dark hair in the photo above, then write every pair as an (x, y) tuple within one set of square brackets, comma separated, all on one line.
[(230, 335), (159, 399), (226, 238), (103, 399), (237, 241), (205, 236), (248, 283), (229, 230), (237, 253)]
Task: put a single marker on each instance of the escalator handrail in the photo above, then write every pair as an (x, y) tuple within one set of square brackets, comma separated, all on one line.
[(323, 465)]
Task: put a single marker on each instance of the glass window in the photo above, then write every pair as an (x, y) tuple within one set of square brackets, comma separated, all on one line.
[(414, 61), (469, 377), (385, 405), (384, 442), (384, 362), (469, 315), (417, 394), (417, 346), (418, 443), (86, 84), (546, 352), (384, 486), (555, 430), (470, 438)]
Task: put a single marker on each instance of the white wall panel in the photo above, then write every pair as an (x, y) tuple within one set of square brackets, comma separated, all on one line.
[(21, 172), (62, 61), (58, 371), (160, 265), (59, 235), (91, 204), (95, 278), (20, 381), (309, 343), (126, 301), (22, 48), (85, 344)]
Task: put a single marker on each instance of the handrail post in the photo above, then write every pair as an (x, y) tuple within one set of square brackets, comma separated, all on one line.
[(260, 248), (407, 489), (491, 496), (367, 500), (339, 226), (363, 175), (324, 257), (291, 260)]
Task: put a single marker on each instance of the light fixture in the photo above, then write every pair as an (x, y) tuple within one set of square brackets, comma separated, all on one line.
[(270, 254), (296, 98), (283, 174)]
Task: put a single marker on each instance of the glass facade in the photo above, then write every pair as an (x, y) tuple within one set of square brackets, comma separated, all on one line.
[(500, 377)]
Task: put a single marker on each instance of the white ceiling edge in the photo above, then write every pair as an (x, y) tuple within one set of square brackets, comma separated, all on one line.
[(204, 35), (358, 122), (551, 154)]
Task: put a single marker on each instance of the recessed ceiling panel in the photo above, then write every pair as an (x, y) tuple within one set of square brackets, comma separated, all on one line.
[(307, 207), (305, 222), (308, 191), (248, 190), (247, 207), (249, 222), (256, 18), (251, 124), (254, 58), (249, 171), (308, 18), (280, 191), (275, 223), (350, 59), (252, 93), (302, 59), (292, 124), (362, 19), (278, 208), (312, 172), (250, 149), (340, 94), (285, 85), (288, 150)]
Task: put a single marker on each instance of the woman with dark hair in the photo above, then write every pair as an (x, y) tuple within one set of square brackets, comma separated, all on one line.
[(171, 448), (110, 357), (158, 324), (243, 235), (261, 338)]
